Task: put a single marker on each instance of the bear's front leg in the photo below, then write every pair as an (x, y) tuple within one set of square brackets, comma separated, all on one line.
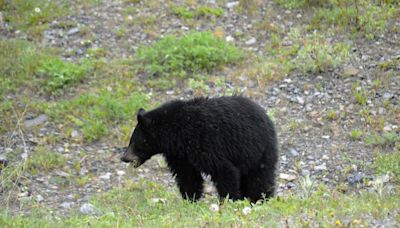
[(227, 181), (189, 180)]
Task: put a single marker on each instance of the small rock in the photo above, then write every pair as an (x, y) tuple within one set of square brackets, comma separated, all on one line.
[(298, 16), (39, 198), (214, 207), (105, 176), (3, 161), (288, 177), (356, 179), (325, 136), (88, 209), (387, 96), (350, 71), (75, 134), (170, 92), (36, 121), (300, 100), (293, 152), (120, 172), (387, 128), (251, 41), (73, 31), (321, 167), (231, 4), (67, 205)]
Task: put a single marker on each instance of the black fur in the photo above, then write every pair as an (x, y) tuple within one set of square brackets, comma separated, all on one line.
[(229, 138)]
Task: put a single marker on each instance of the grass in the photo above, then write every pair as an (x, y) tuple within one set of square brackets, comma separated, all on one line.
[(44, 160), (388, 163), (153, 205), (201, 11), (33, 16), (364, 17), (193, 52), (58, 74), (95, 114)]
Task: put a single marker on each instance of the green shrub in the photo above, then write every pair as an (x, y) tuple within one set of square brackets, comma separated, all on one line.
[(191, 53), (316, 54), (59, 74), (202, 11)]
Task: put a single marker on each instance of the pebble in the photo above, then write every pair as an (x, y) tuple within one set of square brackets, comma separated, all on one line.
[(105, 176), (67, 205), (231, 4), (39, 198), (293, 152), (321, 167), (35, 121), (73, 31), (288, 177), (88, 209), (3, 161), (251, 41)]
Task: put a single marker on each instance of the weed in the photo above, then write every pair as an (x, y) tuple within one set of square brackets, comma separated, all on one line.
[(33, 15), (388, 163), (356, 134), (202, 11), (360, 94), (43, 159), (192, 53), (387, 139), (316, 54), (96, 113), (331, 115), (59, 74), (198, 85)]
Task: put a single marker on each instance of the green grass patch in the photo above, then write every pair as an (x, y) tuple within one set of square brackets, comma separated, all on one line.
[(44, 160), (316, 54), (388, 163), (193, 52), (201, 11), (365, 17), (96, 113), (155, 206), (58, 74), (33, 15), (386, 139)]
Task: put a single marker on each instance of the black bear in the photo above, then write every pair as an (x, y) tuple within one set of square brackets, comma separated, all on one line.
[(229, 138)]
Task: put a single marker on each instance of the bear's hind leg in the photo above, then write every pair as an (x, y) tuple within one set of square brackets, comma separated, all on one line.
[(260, 184), (189, 180), (227, 181)]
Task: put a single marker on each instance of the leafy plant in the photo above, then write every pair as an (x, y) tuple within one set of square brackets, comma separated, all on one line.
[(356, 134), (316, 54), (193, 52), (59, 74)]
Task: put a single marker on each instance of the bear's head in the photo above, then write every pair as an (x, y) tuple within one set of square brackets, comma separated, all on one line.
[(141, 144)]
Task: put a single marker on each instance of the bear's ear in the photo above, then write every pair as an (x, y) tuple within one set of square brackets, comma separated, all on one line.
[(142, 119)]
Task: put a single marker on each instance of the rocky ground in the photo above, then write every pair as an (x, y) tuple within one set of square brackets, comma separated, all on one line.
[(314, 113)]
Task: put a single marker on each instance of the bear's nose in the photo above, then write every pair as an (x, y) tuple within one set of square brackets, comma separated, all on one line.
[(126, 159)]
